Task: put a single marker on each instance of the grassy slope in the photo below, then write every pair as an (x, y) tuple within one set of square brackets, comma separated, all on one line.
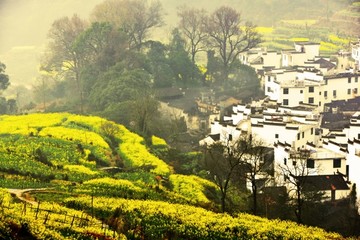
[(68, 151)]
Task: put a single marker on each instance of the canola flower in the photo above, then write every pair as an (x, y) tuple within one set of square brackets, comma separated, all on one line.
[(135, 154), (158, 220), (191, 187)]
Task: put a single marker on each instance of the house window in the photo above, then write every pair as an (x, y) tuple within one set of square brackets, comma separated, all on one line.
[(334, 93), (302, 134), (325, 93), (319, 103), (294, 163), (311, 100), (285, 91), (337, 163), (311, 89), (312, 131), (298, 136), (358, 136), (349, 80), (276, 135), (310, 163), (301, 91), (355, 90), (319, 93), (349, 91), (268, 89), (356, 79), (285, 102), (269, 78), (285, 161)]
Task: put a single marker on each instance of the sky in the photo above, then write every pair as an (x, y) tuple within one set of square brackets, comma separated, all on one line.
[(24, 25)]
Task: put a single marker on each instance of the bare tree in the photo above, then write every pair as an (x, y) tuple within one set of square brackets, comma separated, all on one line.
[(192, 26), (254, 164), (225, 160), (227, 35), (63, 57), (295, 170), (221, 163), (134, 17)]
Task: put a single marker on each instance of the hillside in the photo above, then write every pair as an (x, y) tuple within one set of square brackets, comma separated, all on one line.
[(99, 180)]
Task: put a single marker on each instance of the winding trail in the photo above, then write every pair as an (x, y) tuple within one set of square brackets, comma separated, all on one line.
[(19, 193)]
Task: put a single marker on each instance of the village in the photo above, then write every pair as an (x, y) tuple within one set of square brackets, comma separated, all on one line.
[(311, 104)]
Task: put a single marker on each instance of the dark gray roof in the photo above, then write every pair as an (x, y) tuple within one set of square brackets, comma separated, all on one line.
[(324, 182), (325, 64)]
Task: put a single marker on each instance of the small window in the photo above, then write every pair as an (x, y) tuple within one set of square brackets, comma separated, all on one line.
[(311, 89), (312, 131), (310, 163), (301, 91), (349, 91), (319, 93), (285, 91), (349, 80), (303, 134), (298, 136), (334, 93), (355, 90), (268, 89), (337, 163), (294, 163), (356, 79), (269, 78), (285, 161), (285, 102), (276, 135), (319, 103), (311, 100), (325, 93)]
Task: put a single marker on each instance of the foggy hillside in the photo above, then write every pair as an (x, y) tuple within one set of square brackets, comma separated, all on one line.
[(24, 23)]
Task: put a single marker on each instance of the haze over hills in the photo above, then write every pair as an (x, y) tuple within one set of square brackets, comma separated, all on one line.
[(24, 24)]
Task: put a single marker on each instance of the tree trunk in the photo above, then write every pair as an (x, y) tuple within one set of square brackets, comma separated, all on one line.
[(223, 197), (254, 190), (298, 211)]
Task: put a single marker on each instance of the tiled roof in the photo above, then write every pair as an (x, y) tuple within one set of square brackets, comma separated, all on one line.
[(215, 137), (325, 64), (324, 182)]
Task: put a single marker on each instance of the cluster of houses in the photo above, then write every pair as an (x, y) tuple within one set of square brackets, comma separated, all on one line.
[(302, 88)]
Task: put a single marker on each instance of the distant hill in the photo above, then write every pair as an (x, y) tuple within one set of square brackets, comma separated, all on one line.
[(264, 12)]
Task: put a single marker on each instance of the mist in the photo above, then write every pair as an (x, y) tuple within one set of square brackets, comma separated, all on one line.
[(24, 25)]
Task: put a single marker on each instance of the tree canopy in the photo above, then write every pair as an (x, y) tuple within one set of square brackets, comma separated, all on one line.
[(4, 78)]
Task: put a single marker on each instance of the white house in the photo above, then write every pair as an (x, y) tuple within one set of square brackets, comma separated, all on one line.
[(355, 54), (261, 58), (322, 169), (309, 86)]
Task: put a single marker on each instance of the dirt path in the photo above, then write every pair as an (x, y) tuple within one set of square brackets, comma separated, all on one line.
[(21, 194)]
